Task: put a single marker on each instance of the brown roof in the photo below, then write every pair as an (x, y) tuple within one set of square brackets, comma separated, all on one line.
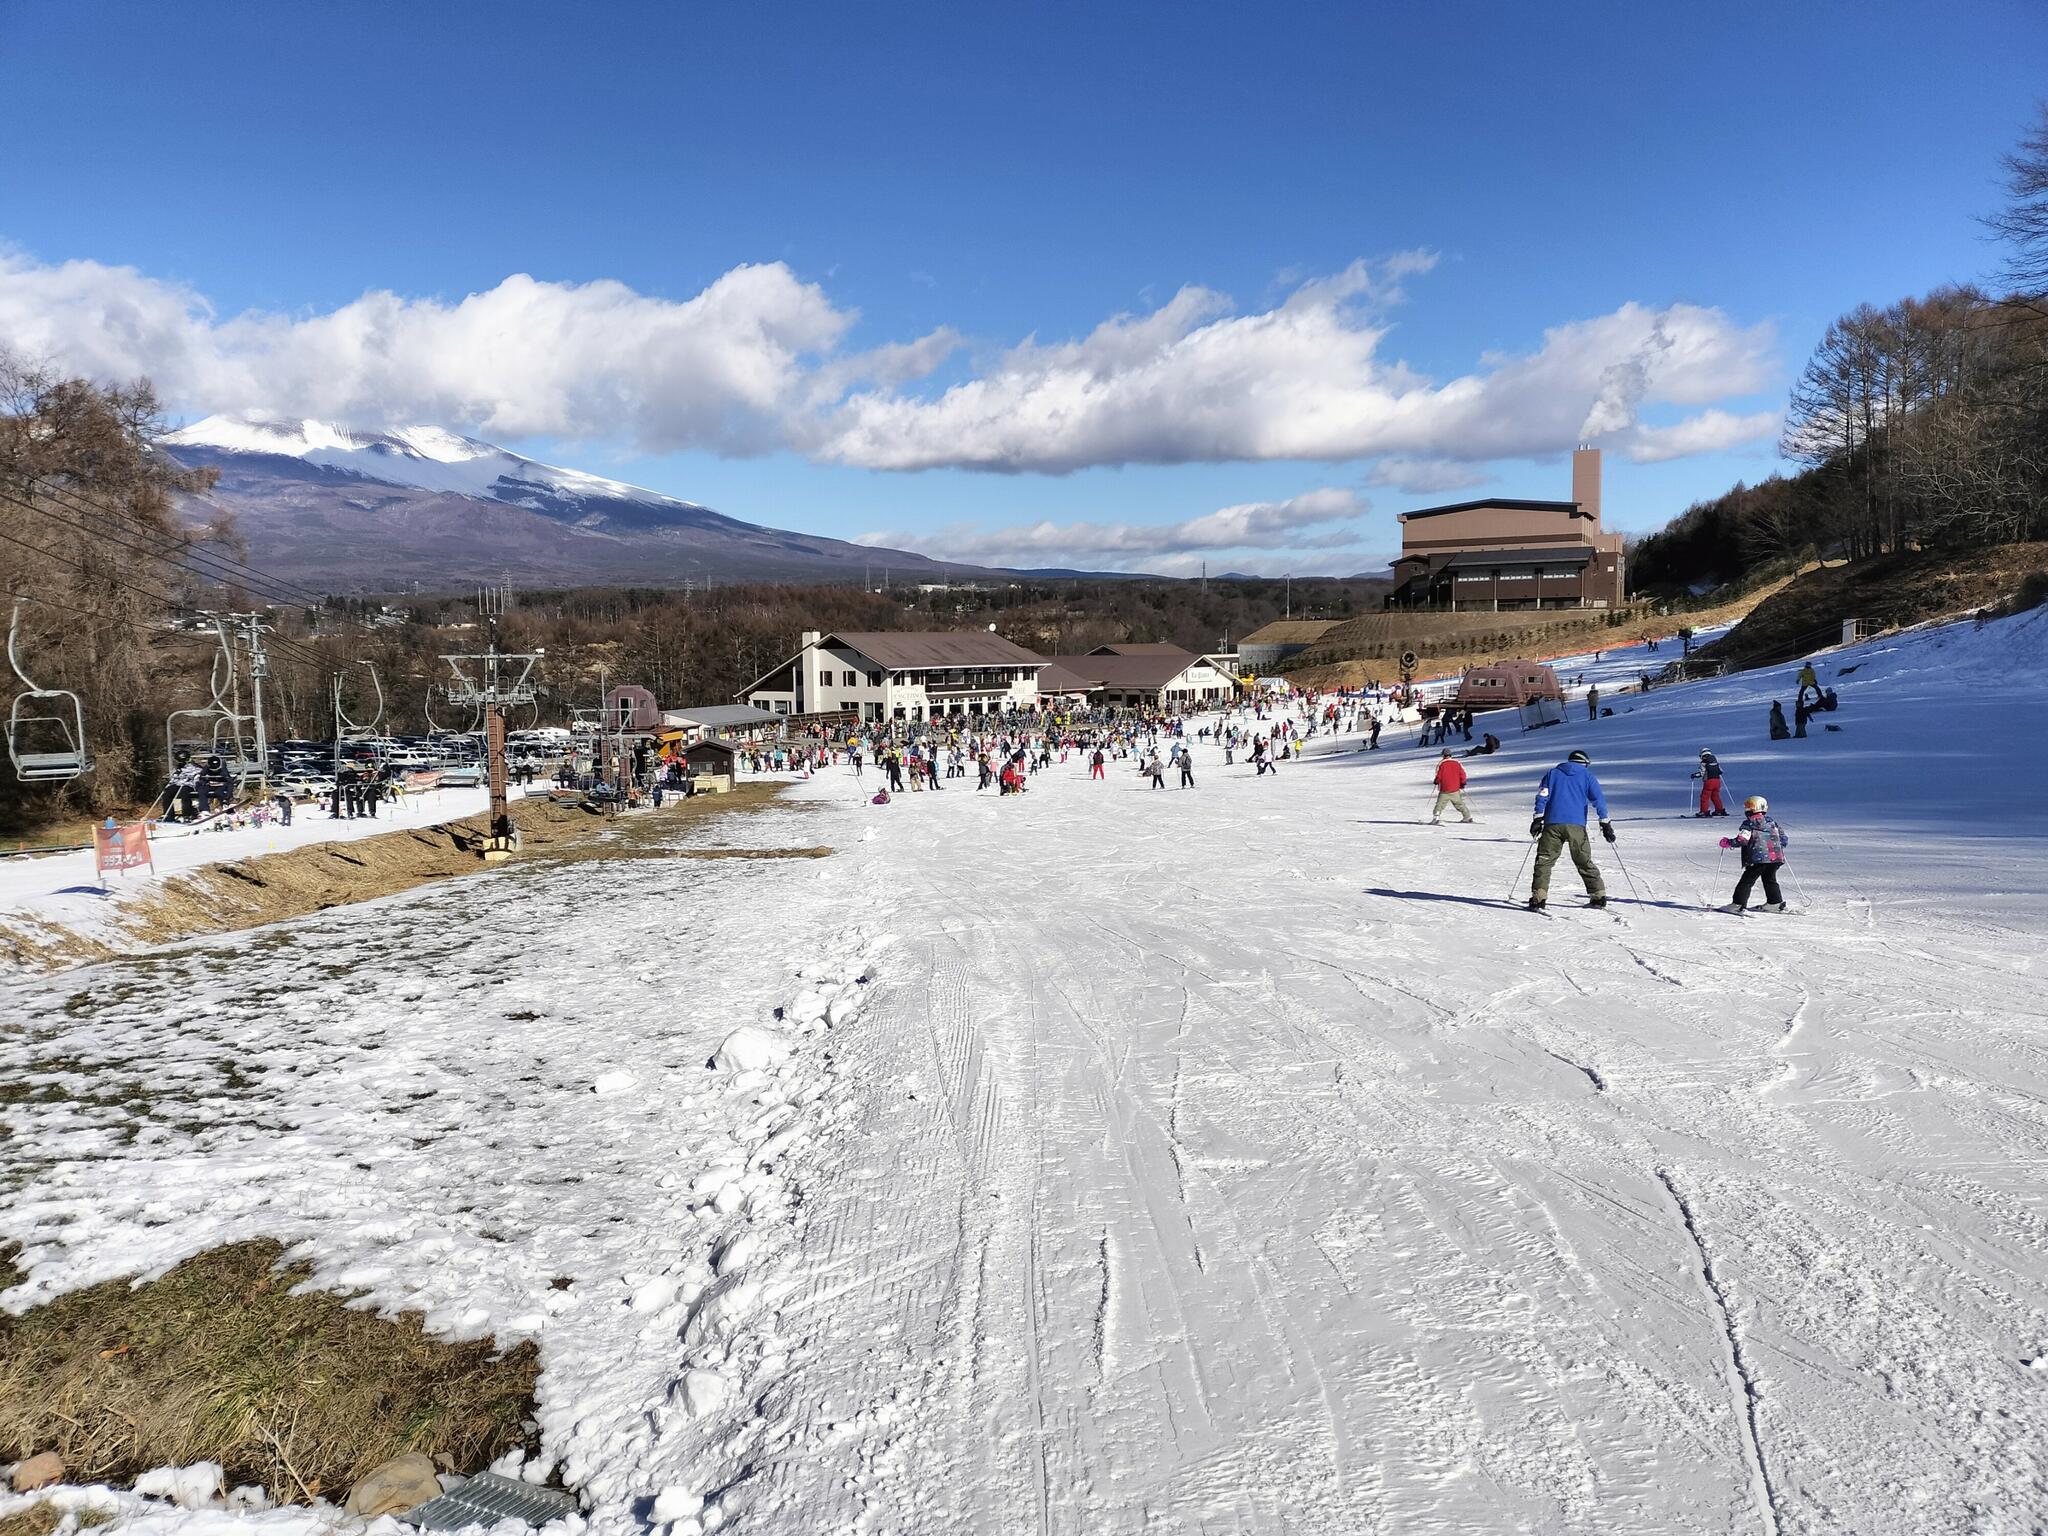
[(905, 650), (1143, 648), (1056, 678), (1290, 632), (1154, 669)]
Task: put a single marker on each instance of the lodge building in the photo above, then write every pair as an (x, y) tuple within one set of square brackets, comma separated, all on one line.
[(883, 676), (1499, 555)]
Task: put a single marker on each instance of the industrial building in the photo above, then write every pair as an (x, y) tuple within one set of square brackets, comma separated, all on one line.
[(1500, 556)]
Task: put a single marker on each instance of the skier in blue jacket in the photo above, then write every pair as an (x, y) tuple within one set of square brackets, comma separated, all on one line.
[(1564, 797)]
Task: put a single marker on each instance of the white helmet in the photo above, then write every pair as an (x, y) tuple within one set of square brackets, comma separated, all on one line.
[(1756, 803)]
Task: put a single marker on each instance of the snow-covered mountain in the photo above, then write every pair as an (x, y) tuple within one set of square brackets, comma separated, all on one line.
[(430, 458), (342, 507)]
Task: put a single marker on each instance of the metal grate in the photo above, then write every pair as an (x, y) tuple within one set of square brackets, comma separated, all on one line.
[(488, 1498)]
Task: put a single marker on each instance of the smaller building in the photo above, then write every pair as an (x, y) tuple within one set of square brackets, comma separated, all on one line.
[(1506, 685), (1265, 648), (629, 708), (711, 766), (730, 722), (1159, 677)]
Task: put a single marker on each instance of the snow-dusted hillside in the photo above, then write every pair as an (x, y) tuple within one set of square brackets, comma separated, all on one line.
[(430, 458), (1237, 1159)]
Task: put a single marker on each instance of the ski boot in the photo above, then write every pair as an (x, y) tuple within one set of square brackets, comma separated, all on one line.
[(1537, 903), (1596, 901), (1772, 906)]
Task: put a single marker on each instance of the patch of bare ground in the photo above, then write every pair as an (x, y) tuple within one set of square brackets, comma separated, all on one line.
[(227, 1358), (1890, 591), (246, 893)]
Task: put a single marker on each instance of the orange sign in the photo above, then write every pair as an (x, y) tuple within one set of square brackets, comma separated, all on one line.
[(122, 847)]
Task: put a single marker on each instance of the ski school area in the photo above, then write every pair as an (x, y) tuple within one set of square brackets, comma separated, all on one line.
[(1248, 1157)]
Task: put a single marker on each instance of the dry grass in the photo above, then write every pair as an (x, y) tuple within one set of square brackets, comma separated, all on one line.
[(222, 1360), (1456, 653), (244, 893), (36, 1520), (1890, 590)]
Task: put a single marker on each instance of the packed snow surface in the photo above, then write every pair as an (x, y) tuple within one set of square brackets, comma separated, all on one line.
[(1228, 1159)]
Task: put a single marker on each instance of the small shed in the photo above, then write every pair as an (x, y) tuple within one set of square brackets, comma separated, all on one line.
[(631, 708), (712, 765), (1506, 685)]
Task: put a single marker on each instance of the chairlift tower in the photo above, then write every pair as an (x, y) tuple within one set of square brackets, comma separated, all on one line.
[(490, 682)]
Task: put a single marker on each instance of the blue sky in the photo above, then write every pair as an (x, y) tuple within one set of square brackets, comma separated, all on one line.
[(1417, 250)]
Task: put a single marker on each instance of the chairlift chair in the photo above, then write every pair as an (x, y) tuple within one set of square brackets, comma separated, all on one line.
[(62, 753)]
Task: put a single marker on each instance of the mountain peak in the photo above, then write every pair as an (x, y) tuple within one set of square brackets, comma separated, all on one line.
[(428, 457)]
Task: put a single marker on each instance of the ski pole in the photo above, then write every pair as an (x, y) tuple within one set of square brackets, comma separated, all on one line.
[(1518, 872), (1631, 879)]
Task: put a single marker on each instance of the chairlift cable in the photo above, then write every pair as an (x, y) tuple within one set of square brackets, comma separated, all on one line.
[(204, 562), (78, 501), (291, 648)]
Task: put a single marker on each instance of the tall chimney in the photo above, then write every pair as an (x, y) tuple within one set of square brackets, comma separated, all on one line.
[(1586, 483)]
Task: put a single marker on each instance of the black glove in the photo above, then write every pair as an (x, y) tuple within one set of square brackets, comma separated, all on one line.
[(1607, 830), (1536, 827)]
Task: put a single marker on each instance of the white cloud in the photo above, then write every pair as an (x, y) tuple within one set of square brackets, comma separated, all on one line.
[(1308, 522), (1708, 432), (726, 369), (1195, 382), (757, 362)]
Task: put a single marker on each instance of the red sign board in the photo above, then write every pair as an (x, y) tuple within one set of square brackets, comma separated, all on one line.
[(122, 847)]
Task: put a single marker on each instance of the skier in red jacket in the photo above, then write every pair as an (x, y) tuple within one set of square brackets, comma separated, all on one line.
[(1450, 788)]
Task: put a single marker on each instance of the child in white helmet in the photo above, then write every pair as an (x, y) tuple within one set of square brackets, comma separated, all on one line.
[(1763, 844)]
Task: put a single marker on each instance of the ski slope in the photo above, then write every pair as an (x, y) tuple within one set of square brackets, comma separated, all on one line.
[(1235, 1159)]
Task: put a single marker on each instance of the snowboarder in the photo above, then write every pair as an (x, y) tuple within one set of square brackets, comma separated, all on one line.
[(1450, 789), (1808, 678), (1562, 800), (1763, 843), (1709, 775), (1780, 731)]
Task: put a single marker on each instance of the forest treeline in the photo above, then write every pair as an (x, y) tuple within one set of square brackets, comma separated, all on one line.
[(1920, 425)]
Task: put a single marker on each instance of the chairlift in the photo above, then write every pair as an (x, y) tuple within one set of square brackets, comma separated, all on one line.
[(53, 716), (237, 751), (476, 715)]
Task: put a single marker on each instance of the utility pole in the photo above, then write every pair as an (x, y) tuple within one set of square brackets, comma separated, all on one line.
[(259, 669), (490, 682)]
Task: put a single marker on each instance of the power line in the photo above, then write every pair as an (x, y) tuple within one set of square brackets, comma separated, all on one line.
[(292, 648), (189, 552), (288, 646), (77, 501)]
